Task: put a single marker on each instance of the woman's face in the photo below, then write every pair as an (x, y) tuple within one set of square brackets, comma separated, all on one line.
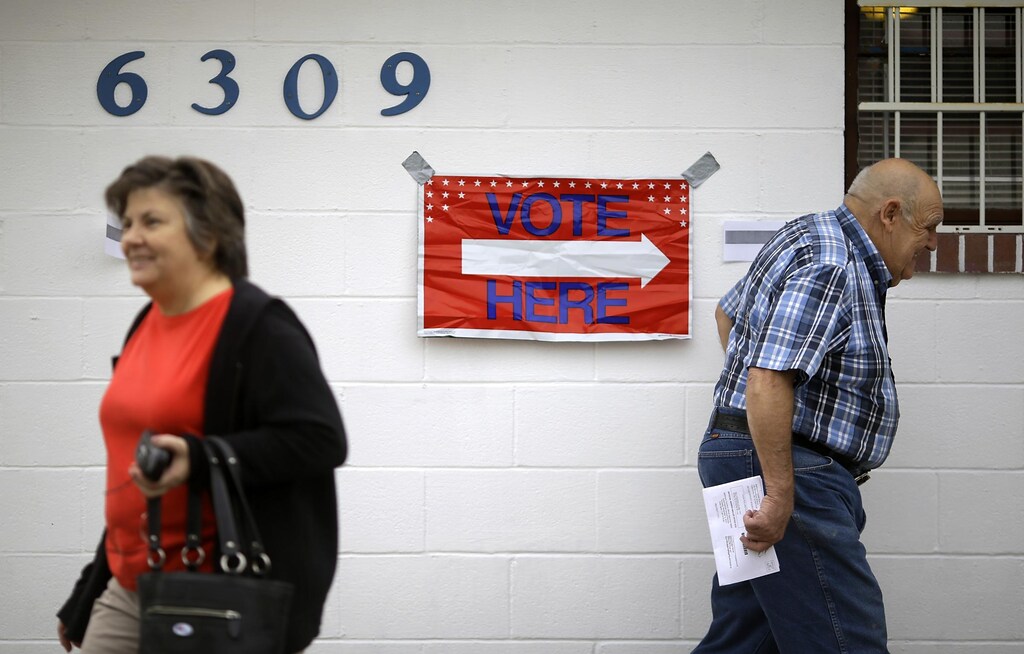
[(161, 258)]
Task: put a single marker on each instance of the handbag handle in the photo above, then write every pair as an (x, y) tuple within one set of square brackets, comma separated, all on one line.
[(226, 491), (225, 502), (192, 554)]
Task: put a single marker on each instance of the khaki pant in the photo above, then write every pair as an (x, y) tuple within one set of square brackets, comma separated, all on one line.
[(114, 623)]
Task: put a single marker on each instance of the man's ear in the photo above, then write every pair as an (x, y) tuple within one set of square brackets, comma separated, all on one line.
[(890, 212)]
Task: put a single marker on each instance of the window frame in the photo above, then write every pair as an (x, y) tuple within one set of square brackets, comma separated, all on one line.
[(979, 219)]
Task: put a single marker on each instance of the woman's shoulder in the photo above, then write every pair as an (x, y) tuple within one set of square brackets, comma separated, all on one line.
[(255, 310)]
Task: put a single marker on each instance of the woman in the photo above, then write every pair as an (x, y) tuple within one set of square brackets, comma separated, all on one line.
[(211, 354)]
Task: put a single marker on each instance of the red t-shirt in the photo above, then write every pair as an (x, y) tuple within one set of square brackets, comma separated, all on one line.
[(159, 383)]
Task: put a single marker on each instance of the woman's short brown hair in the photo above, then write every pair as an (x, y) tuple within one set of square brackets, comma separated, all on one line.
[(214, 214)]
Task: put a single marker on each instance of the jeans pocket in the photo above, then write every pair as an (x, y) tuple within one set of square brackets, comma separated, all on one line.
[(722, 460), (805, 460)]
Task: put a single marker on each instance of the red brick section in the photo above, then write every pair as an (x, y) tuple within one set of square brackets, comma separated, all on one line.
[(975, 253), (1004, 253), (947, 253), (924, 263), (976, 247)]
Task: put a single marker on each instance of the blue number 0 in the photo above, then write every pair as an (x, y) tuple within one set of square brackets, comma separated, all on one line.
[(291, 86), (414, 91), (230, 86), (111, 76)]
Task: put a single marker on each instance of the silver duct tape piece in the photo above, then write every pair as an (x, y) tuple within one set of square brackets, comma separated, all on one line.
[(701, 170), (418, 168)]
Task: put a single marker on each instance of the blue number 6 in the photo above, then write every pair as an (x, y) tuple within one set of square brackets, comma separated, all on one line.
[(414, 91), (111, 76), (230, 86)]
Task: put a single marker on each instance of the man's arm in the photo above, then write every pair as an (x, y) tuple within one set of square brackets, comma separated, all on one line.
[(770, 415), (724, 326)]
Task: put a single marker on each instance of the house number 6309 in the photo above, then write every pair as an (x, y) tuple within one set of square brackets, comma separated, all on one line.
[(414, 91)]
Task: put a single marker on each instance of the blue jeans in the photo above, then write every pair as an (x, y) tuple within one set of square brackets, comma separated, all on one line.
[(825, 597)]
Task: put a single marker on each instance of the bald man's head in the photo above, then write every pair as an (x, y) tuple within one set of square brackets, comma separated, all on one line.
[(900, 207), (890, 178)]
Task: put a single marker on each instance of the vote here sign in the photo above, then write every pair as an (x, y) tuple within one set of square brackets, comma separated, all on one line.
[(555, 258)]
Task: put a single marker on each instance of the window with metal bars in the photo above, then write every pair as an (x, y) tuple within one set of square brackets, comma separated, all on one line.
[(942, 83)]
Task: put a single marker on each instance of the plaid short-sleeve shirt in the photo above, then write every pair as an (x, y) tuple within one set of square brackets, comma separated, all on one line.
[(813, 301)]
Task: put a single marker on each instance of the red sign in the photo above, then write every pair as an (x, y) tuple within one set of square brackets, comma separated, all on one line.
[(555, 258)]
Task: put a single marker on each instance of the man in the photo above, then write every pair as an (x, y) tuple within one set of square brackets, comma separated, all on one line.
[(807, 400)]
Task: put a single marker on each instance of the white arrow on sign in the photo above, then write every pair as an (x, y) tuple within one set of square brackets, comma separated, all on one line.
[(521, 258)]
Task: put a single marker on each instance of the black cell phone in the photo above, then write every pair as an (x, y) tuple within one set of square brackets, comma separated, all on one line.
[(152, 460)]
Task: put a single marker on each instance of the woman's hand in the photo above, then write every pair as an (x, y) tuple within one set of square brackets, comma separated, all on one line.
[(65, 642), (176, 473)]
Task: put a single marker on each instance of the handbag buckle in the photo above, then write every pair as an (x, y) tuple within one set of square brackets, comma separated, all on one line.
[(261, 564), (193, 562), (161, 558), (239, 560)]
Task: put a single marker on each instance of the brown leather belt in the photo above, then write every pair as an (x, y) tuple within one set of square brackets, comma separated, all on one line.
[(738, 423)]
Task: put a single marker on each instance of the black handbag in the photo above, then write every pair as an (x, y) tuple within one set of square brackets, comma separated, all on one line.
[(235, 610)]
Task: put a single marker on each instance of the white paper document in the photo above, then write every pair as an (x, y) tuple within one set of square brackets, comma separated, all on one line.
[(725, 505)]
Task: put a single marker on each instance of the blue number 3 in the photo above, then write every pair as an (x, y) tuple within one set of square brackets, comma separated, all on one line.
[(230, 86)]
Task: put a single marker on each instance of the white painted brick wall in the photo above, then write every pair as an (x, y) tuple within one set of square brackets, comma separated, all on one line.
[(383, 511), (501, 497), (62, 431), (434, 596), (596, 597), (511, 511), (424, 425)]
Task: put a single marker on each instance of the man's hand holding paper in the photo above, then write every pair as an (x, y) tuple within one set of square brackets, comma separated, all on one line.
[(728, 506)]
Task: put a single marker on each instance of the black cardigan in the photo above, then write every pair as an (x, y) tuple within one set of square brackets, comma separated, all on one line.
[(267, 396)]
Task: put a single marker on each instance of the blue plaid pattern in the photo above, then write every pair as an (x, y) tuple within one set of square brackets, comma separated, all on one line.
[(813, 301)]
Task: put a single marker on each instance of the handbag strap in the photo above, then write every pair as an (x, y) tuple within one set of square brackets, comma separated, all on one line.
[(156, 555), (226, 491), (229, 495), (192, 554)]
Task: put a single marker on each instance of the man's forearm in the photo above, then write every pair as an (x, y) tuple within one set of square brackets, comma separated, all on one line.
[(770, 414)]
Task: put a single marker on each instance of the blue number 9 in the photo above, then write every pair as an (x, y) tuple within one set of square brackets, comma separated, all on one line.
[(414, 91), (230, 86)]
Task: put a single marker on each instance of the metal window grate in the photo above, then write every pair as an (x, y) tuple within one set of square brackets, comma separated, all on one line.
[(940, 83)]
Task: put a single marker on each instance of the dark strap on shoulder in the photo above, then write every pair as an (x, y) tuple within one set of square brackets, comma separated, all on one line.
[(135, 323)]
